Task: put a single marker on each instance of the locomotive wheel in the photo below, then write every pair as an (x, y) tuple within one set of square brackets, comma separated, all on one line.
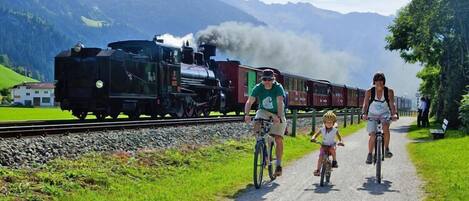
[(189, 111), (206, 112), (100, 116), (115, 115), (179, 113), (198, 112), (134, 115), (80, 115)]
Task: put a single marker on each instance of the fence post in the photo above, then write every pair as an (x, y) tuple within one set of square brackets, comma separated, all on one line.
[(313, 121), (359, 115), (351, 116), (345, 118), (293, 127)]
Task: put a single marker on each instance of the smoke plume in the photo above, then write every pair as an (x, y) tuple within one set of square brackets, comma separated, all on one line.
[(263, 46)]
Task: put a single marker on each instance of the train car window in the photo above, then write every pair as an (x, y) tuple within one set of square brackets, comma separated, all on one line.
[(291, 84), (246, 81), (286, 84)]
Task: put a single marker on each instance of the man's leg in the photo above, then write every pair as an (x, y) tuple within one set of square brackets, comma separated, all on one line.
[(279, 149), (278, 129), (279, 154)]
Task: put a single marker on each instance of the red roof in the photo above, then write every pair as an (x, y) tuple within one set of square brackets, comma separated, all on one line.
[(38, 85)]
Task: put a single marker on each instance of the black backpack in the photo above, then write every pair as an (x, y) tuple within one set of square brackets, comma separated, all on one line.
[(372, 97)]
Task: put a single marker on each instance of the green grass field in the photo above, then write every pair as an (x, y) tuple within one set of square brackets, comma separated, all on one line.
[(443, 164), (9, 78), (23, 114), (213, 172)]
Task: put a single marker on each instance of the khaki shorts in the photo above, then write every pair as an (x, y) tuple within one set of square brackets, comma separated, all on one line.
[(277, 128)]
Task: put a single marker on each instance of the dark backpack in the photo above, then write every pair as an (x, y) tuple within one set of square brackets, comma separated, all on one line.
[(372, 97)]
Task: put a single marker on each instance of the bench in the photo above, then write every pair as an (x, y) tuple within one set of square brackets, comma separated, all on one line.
[(440, 133)]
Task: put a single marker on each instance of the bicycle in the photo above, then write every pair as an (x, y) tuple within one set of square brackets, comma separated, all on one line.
[(264, 152), (379, 147), (326, 167)]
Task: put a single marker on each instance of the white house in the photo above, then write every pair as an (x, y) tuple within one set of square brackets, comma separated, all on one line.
[(34, 94)]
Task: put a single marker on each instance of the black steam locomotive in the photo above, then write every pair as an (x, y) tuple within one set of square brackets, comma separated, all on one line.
[(138, 77)]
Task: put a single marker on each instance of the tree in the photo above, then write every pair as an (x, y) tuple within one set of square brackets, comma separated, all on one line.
[(435, 33)]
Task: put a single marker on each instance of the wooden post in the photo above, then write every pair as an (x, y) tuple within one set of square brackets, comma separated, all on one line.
[(351, 116), (359, 115), (293, 127), (313, 121), (345, 118)]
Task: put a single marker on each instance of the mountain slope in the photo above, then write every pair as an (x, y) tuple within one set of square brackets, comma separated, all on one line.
[(33, 31), (30, 42), (9, 78), (176, 17), (359, 34)]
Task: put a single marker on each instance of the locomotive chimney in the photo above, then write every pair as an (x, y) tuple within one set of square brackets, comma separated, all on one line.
[(208, 50), (158, 39)]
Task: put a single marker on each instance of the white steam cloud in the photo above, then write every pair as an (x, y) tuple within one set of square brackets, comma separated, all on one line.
[(178, 41), (263, 46)]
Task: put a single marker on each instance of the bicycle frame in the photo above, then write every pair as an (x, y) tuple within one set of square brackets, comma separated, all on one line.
[(326, 165), (379, 139), (263, 144), (379, 147)]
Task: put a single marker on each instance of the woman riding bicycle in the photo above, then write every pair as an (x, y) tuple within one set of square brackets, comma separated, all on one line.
[(379, 103)]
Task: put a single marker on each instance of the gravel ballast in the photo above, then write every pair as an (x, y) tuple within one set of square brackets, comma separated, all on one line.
[(32, 151)]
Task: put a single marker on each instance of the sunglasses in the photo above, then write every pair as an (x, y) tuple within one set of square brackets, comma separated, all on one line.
[(266, 79)]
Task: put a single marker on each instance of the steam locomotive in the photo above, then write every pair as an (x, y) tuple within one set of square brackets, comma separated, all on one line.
[(137, 77), (149, 77)]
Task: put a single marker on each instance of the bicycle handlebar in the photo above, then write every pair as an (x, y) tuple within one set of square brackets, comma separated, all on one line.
[(321, 143)]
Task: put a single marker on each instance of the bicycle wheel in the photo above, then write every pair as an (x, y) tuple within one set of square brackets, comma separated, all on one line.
[(258, 165), (323, 172), (328, 172), (272, 160), (378, 161)]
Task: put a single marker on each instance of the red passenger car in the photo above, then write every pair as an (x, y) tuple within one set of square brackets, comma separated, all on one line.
[(239, 80)]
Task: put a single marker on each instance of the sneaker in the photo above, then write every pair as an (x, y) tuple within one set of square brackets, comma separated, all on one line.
[(387, 153), (369, 159), (278, 171), (334, 164)]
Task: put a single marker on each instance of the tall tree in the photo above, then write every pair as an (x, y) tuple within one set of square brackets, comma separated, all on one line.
[(435, 33)]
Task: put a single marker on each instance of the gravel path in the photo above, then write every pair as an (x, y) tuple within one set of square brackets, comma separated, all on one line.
[(353, 180)]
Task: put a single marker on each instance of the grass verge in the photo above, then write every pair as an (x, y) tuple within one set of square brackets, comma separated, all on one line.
[(213, 172), (441, 163)]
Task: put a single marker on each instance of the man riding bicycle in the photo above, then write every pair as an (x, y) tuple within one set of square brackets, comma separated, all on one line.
[(270, 95), (379, 103)]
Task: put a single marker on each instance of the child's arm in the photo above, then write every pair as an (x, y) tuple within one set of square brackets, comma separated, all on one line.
[(316, 135), (340, 137)]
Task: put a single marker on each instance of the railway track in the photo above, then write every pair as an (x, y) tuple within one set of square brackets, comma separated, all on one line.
[(38, 128), (64, 128)]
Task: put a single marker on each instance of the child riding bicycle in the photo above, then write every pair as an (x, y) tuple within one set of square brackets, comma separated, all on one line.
[(329, 131)]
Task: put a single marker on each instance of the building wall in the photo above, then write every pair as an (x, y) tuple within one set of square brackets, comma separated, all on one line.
[(27, 96)]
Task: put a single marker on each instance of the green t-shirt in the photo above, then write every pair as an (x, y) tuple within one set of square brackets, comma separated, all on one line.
[(267, 99)]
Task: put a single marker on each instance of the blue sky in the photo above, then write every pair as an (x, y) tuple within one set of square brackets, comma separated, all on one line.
[(383, 7)]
